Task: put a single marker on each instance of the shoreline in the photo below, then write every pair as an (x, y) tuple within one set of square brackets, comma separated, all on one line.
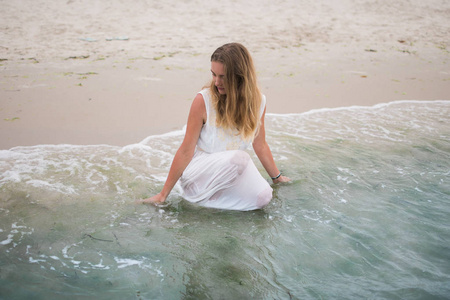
[(180, 132)]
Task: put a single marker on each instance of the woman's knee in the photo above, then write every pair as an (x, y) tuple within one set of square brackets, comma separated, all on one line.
[(264, 197)]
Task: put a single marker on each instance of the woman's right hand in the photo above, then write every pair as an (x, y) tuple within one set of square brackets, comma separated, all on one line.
[(196, 119), (157, 199)]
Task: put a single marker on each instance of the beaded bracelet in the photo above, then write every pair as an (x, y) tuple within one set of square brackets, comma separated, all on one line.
[(276, 177)]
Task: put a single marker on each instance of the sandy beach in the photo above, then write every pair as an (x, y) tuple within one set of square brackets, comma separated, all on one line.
[(115, 72)]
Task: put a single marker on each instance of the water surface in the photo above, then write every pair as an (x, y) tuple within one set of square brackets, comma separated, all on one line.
[(366, 216)]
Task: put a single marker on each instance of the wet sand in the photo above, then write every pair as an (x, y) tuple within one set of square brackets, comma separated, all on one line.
[(115, 73)]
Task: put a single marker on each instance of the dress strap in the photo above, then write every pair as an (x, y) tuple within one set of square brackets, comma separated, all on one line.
[(207, 99)]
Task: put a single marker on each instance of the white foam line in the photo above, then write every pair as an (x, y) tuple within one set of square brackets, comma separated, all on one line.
[(353, 107), (182, 131), (168, 134)]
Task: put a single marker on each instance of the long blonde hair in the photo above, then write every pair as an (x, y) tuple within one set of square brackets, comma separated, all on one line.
[(239, 109)]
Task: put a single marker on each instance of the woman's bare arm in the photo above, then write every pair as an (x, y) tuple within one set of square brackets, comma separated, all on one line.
[(264, 153), (196, 119)]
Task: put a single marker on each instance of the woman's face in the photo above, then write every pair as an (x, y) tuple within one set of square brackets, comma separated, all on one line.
[(218, 74)]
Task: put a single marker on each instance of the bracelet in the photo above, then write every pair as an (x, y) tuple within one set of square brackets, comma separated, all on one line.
[(276, 177)]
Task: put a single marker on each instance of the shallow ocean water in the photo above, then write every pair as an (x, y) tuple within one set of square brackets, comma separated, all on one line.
[(366, 216)]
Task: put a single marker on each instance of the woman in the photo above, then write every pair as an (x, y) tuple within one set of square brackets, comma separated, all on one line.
[(224, 119)]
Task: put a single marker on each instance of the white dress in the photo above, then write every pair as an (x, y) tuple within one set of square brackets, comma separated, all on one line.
[(221, 174)]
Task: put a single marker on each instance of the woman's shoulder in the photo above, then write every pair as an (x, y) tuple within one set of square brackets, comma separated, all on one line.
[(205, 92)]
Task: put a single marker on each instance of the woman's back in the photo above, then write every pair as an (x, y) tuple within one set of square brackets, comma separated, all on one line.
[(215, 139)]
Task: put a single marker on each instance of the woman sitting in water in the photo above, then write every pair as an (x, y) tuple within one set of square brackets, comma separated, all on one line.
[(213, 168)]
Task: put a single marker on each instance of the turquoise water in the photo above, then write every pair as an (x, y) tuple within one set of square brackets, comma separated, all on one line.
[(366, 216)]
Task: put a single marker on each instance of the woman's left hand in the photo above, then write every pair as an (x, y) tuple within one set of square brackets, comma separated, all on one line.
[(282, 179)]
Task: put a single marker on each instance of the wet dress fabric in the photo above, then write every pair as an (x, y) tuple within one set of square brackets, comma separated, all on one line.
[(222, 174)]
